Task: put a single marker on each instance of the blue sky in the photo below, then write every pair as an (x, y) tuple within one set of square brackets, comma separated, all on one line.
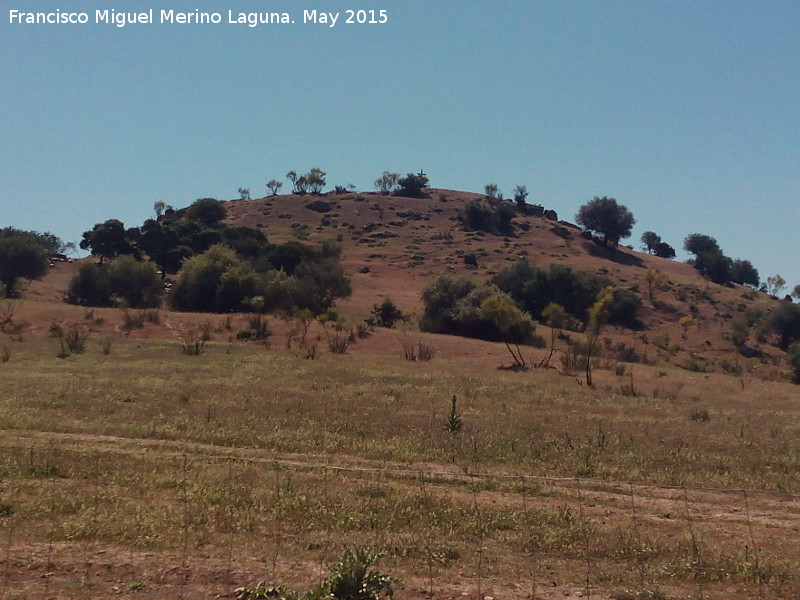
[(686, 112)]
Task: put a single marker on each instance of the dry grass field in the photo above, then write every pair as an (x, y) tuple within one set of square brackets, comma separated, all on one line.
[(135, 470)]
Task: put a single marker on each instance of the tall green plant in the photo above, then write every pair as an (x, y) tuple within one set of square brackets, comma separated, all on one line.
[(598, 317)]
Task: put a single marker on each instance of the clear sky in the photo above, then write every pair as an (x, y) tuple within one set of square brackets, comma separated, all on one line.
[(686, 112)]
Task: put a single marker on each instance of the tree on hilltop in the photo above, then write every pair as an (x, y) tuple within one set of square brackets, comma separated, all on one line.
[(412, 185), (107, 240), (606, 217), (664, 250), (651, 240), (709, 259), (387, 182), (744, 273), (315, 180), (520, 197), (208, 211)]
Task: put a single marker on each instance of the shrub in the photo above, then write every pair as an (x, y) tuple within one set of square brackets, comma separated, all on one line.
[(238, 284), (520, 196), (386, 314), (215, 281), (421, 351), (21, 256), (338, 339), (287, 257), (575, 291), (126, 282), (480, 217), (319, 283), (73, 341), (453, 423), (743, 272), (132, 320), (453, 306), (279, 291), (207, 211), (509, 321), (785, 321), (664, 250), (624, 307), (136, 283), (91, 286), (259, 327), (247, 242), (412, 185), (192, 344)]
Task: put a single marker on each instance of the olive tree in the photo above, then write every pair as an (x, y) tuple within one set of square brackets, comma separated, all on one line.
[(606, 217), (651, 240)]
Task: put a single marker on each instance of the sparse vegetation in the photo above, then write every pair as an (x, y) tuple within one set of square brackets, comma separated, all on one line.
[(387, 182), (479, 217), (775, 285), (386, 314), (453, 424)]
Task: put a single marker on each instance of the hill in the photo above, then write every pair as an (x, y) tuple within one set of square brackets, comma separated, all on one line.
[(393, 246), (159, 454)]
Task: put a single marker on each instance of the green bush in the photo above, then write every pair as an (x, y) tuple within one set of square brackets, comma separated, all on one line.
[(136, 283), (785, 321), (126, 282), (21, 256), (91, 286), (319, 283), (238, 284), (624, 307), (534, 289), (412, 185), (386, 314), (200, 287), (453, 306), (478, 216), (207, 211), (247, 242)]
